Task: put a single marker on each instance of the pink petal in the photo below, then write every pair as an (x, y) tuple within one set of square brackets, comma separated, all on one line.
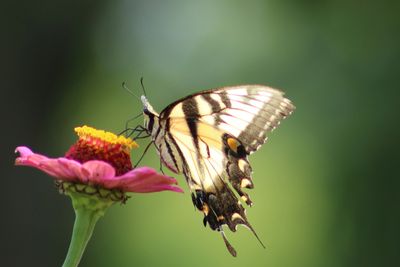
[(59, 168), (23, 151), (73, 168), (99, 171), (142, 180), (27, 157), (55, 169)]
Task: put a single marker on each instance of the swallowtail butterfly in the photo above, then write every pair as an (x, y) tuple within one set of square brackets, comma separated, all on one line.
[(208, 136)]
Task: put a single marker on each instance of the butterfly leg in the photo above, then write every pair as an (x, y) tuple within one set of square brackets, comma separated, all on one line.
[(141, 157), (138, 136), (130, 131), (161, 167)]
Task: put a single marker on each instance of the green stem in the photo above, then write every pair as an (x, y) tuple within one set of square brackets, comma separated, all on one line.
[(88, 209), (85, 221)]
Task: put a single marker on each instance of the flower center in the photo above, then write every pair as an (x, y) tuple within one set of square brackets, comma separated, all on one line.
[(96, 144)]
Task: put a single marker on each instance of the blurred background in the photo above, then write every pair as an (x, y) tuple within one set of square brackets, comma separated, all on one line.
[(326, 189)]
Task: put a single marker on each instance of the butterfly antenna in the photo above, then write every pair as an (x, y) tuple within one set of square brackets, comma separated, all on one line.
[(129, 91), (141, 82), (228, 245)]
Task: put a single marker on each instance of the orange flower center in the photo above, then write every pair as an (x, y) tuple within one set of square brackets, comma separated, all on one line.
[(96, 144)]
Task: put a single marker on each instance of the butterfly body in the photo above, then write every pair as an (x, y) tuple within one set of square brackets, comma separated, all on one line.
[(208, 136)]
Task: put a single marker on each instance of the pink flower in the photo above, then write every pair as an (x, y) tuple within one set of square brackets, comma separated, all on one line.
[(95, 172), (100, 160)]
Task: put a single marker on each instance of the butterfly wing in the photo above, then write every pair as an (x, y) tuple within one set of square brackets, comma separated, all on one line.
[(211, 134), (247, 112)]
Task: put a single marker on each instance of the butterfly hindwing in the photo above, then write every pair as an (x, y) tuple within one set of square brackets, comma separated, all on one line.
[(206, 169), (208, 136)]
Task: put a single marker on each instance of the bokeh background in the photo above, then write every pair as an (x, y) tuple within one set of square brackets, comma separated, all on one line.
[(327, 182)]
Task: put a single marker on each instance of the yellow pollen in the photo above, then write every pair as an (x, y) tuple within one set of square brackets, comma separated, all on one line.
[(86, 131)]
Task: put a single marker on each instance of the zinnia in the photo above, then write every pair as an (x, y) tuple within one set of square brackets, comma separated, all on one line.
[(95, 172)]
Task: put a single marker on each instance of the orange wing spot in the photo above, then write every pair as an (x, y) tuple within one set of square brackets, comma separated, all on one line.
[(233, 144), (205, 209)]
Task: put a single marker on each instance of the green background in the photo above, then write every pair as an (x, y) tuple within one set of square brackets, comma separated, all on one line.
[(326, 183)]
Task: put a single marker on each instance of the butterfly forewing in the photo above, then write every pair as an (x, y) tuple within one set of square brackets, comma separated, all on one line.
[(246, 112)]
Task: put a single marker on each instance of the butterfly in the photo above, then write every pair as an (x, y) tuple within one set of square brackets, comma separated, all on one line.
[(208, 137)]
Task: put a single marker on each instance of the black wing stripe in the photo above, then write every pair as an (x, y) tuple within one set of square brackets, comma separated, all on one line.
[(171, 153), (215, 105), (173, 142), (157, 132), (191, 152), (191, 111), (225, 99), (151, 122)]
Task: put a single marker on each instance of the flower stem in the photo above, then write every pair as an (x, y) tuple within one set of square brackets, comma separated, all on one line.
[(88, 209), (85, 221)]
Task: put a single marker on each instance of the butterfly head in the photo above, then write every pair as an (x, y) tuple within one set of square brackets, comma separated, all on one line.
[(147, 108), (149, 113)]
